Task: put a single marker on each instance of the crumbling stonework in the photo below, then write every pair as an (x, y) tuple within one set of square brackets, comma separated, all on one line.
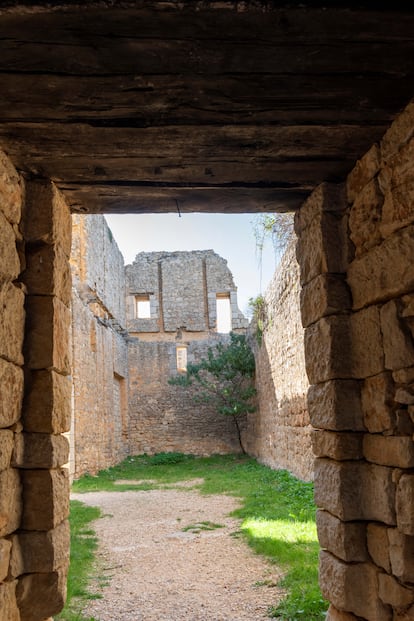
[(279, 432), (99, 434), (182, 289), (34, 504), (355, 249)]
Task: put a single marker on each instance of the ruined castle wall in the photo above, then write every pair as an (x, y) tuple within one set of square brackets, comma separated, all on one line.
[(100, 402), (164, 418), (34, 488), (356, 250), (279, 432)]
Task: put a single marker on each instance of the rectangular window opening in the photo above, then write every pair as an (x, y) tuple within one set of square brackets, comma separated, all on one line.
[(142, 307), (223, 310), (181, 353)]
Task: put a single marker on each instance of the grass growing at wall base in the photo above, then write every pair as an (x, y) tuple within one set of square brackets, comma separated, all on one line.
[(277, 512), (83, 545)]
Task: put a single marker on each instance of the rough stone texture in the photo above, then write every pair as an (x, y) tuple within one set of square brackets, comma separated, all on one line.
[(6, 448), (328, 353), (339, 446), (11, 190), (48, 272), (278, 433), (398, 205), (41, 552), (40, 450), (41, 595), (391, 592), (378, 545), (334, 614), (377, 398), (11, 395), (395, 451), (366, 343), (353, 588), (398, 342), (99, 434), (405, 503), (47, 403), (8, 604), (326, 294), (11, 322), (9, 257), (385, 271), (401, 555), (364, 170), (5, 549), (365, 217), (47, 338), (336, 405), (45, 498), (346, 540), (10, 501)]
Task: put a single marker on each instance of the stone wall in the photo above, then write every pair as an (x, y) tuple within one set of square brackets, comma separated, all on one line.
[(99, 433), (356, 251), (34, 489), (182, 288), (279, 432)]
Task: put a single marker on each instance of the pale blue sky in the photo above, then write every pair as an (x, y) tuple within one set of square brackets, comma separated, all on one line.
[(230, 235)]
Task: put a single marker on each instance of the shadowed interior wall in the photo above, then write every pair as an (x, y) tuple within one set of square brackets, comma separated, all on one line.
[(279, 432)]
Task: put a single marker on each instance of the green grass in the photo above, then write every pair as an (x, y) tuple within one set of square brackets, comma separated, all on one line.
[(83, 544), (277, 512)]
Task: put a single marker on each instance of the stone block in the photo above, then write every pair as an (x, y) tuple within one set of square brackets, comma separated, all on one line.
[(364, 170), (40, 450), (41, 595), (6, 448), (327, 294), (5, 550), (326, 197), (404, 424), (338, 488), (403, 376), (340, 446), (405, 396), (11, 190), (398, 341), (355, 490), (393, 593), (10, 501), (401, 555), (323, 247), (45, 498), (398, 208), (378, 494), (377, 398), (405, 503), (41, 552), (47, 340), (47, 217), (378, 545), (336, 405), (328, 353), (9, 257), (397, 451), (400, 132), (47, 405), (346, 540), (11, 322), (11, 395), (334, 614), (404, 615), (366, 343), (352, 588), (365, 218), (8, 603), (48, 272), (385, 271)]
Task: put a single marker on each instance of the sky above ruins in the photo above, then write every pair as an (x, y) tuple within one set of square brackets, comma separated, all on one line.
[(230, 235)]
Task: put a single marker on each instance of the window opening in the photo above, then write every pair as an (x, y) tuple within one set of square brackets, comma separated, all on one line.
[(223, 310), (181, 353), (142, 307)]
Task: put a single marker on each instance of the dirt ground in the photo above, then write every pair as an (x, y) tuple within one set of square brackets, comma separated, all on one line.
[(159, 570)]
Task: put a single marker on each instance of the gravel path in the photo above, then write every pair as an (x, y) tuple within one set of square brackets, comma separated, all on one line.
[(158, 572)]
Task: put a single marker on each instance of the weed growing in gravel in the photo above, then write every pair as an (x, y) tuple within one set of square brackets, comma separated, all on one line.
[(197, 528), (277, 510), (83, 544)]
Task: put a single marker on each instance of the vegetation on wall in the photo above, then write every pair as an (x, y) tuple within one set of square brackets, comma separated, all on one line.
[(258, 307), (224, 379)]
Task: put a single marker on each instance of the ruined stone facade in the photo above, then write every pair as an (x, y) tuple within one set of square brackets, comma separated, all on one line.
[(279, 432), (182, 291)]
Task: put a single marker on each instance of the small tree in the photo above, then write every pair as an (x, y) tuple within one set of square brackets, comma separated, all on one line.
[(225, 379)]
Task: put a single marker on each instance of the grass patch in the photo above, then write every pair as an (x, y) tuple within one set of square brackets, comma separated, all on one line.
[(83, 544), (277, 510), (197, 528)]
